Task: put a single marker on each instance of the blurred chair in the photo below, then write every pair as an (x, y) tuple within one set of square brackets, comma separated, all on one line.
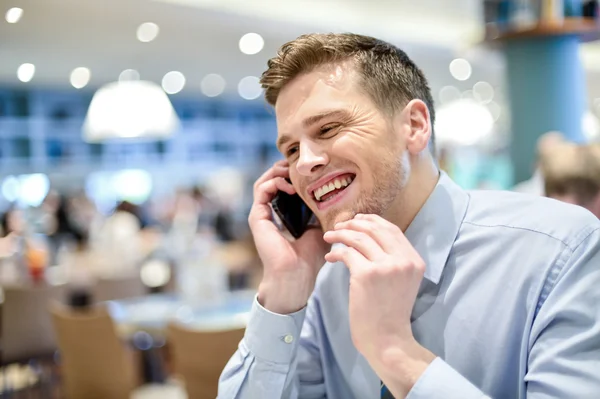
[(26, 324), (95, 363), (200, 357), (107, 289)]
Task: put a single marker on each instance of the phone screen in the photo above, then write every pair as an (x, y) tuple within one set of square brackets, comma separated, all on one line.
[(293, 212)]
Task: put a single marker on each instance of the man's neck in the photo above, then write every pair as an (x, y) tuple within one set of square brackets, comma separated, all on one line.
[(421, 183)]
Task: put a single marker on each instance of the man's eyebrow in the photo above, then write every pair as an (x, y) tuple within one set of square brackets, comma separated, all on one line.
[(312, 120), (282, 140)]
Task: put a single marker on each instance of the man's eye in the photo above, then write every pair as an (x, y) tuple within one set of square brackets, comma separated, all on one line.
[(291, 151), (327, 129)]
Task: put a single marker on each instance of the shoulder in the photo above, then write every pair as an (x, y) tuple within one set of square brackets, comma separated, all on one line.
[(523, 214)]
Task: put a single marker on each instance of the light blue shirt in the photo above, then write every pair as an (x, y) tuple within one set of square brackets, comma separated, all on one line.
[(510, 304)]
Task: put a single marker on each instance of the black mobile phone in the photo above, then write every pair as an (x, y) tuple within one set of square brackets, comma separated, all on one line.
[(293, 213)]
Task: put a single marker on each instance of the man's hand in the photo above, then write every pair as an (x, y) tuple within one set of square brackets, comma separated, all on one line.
[(290, 268), (385, 275)]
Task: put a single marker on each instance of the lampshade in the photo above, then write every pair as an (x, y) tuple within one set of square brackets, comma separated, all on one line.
[(129, 109)]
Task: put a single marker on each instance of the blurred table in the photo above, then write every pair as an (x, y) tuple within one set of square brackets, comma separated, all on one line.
[(152, 313)]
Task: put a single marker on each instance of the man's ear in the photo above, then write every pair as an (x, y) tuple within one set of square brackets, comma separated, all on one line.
[(419, 122)]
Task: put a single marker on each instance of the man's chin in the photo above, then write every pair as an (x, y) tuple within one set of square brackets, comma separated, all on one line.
[(328, 222)]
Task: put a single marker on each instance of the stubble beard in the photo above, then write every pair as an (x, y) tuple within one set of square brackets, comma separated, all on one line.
[(389, 178)]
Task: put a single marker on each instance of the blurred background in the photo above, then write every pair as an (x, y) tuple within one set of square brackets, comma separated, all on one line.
[(131, 132)]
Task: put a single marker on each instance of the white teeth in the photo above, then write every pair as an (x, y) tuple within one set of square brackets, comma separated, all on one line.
[(318, 193), (337, 183)]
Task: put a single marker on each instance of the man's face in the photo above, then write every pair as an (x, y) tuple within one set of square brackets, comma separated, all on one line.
[(345, 155)]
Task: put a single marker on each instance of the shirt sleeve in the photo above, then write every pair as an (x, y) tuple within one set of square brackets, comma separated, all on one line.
[(441, 381), (564, 355), (277, 358)]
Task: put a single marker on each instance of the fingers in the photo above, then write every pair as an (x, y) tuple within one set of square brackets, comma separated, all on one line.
[(384, 233), (349, 256), (279, 169), (358, 240), (268, 189), (271, 181), (265, 189)]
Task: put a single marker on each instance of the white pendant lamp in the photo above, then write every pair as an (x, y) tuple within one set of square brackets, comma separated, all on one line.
[(130, 109)]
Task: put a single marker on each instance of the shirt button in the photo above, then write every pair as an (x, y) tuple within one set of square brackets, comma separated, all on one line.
[(288, 339)]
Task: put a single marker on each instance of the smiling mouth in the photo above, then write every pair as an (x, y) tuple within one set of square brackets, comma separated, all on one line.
[(333, 188)]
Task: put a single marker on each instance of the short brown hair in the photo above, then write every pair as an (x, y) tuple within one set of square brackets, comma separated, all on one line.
[(388, 75), (572, 169)]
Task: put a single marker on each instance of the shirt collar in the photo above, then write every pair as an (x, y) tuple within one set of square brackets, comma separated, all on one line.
[(433, 231)]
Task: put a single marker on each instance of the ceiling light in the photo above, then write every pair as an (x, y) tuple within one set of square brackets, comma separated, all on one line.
[(251, 43), (129, 75), (483, 92), (80, 77), (133, 185), (25, 72), (495, 110), (212, 85), (449, 94), (147, 32), (590, 125), (249, 88), (460, 69), (14, 15), (10, 188), (463, 122), (33, 189), (130, 109), (467, 94), (173, 82)]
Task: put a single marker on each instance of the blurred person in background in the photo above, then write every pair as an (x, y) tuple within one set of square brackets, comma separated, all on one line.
[(572, 175), (428, 291), (224, 224), (13, 221), (81, 267), (31, 252), (183, 215), (535, 185), (60, 226), (133, 209), (8, 245), (226, 187), (207, 209), (118, 242), (85, 213)]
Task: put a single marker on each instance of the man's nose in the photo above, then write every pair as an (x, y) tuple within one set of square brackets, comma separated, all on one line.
[(311, 159)]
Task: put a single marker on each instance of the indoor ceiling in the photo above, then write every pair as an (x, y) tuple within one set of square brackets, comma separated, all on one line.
[(199, 37)]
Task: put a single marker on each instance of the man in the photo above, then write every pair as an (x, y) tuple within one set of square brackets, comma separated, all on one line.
[(428, 291), (573, 175)]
